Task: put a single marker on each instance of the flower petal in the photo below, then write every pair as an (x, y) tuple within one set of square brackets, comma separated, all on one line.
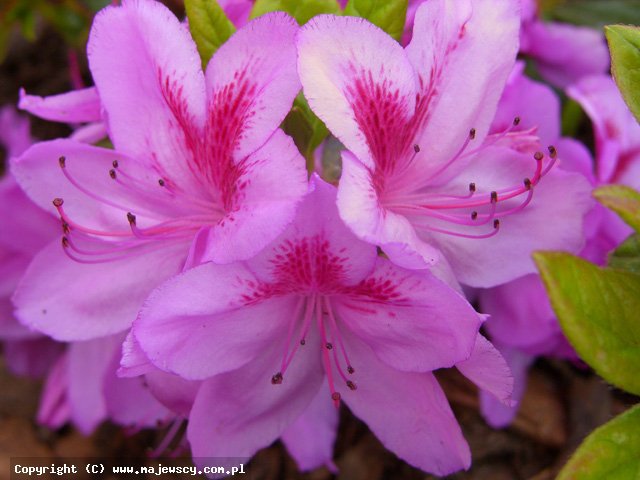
[(68, 300), (272, 183), (362, 210), (550, 222), (149, 78), (411, 320), (77, 106), (408, 412), (221, 305), (358, 80), (319, 228), (310, 438), (463, 53), (495, 412), (251, 83), (489, 371), (237, 413)]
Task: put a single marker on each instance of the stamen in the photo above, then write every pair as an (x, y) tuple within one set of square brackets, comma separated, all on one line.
[(115, 164), (161, 182), (112, 173), (277, 379)]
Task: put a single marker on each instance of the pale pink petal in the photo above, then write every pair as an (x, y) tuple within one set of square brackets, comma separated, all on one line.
[(26, 228), (148, 74), (14, 132), (318, 230), (90, 133), (239, 412), (251, 83), (68, 300), (553, 220), (221, 305), (362, 211), (76, 106), (411, 320), (87, 368), (358, 80), (565, 53), (310, 438), (408, 412), (462, 52), (129, 401), (533, 103), (272, 182), (495, 412), (615, 129), (174, 392), (489, 371), (134, 361), (237, 10)]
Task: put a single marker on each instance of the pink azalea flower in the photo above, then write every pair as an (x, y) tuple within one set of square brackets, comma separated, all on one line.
[(563, 53), (523, 324), (25, 230), (315, 319), (422, 178), (197, 155)]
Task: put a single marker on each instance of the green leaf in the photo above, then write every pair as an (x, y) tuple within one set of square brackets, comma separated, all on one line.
[(306, 129), (610, 452), (209, 26), (627, 256), (301, 10), (624, 44), (623, 200), (598, 311), (592, 13), (389, 15)]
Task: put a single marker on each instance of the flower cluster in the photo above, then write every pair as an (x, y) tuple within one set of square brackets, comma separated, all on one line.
[(195, 270)]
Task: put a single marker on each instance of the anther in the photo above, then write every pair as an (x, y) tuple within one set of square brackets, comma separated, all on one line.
[(552, 151), (276, 379), (472, 187), (65, 228), (161, 182), (302, 342), (65, 242), (472, 133), (538, 156), (496, 224), (112, 173), (516, 121), (351, 385), (329, 346), (350, 369), (62, 161), (115, 164), (474, 215), (57, 202), (335, 396), (416, 148), (494, 196), (527, 183), (132, 218)]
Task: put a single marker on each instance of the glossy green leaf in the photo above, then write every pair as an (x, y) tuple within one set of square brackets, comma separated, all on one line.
[(389, 15), (593, 13), (209, 26), (610, 452), (623, 200), (624, 44), (301, 10), (598, 309), (627, 255)]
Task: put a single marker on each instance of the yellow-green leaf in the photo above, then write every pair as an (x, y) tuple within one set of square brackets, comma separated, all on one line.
[(624, 44), (625, 201), (209, 26), (389, 15)]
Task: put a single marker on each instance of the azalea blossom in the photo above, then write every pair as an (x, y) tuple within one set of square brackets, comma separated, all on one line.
[(198, 156), (562, 53), (523, 325), (422, 178), (318, 312)]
